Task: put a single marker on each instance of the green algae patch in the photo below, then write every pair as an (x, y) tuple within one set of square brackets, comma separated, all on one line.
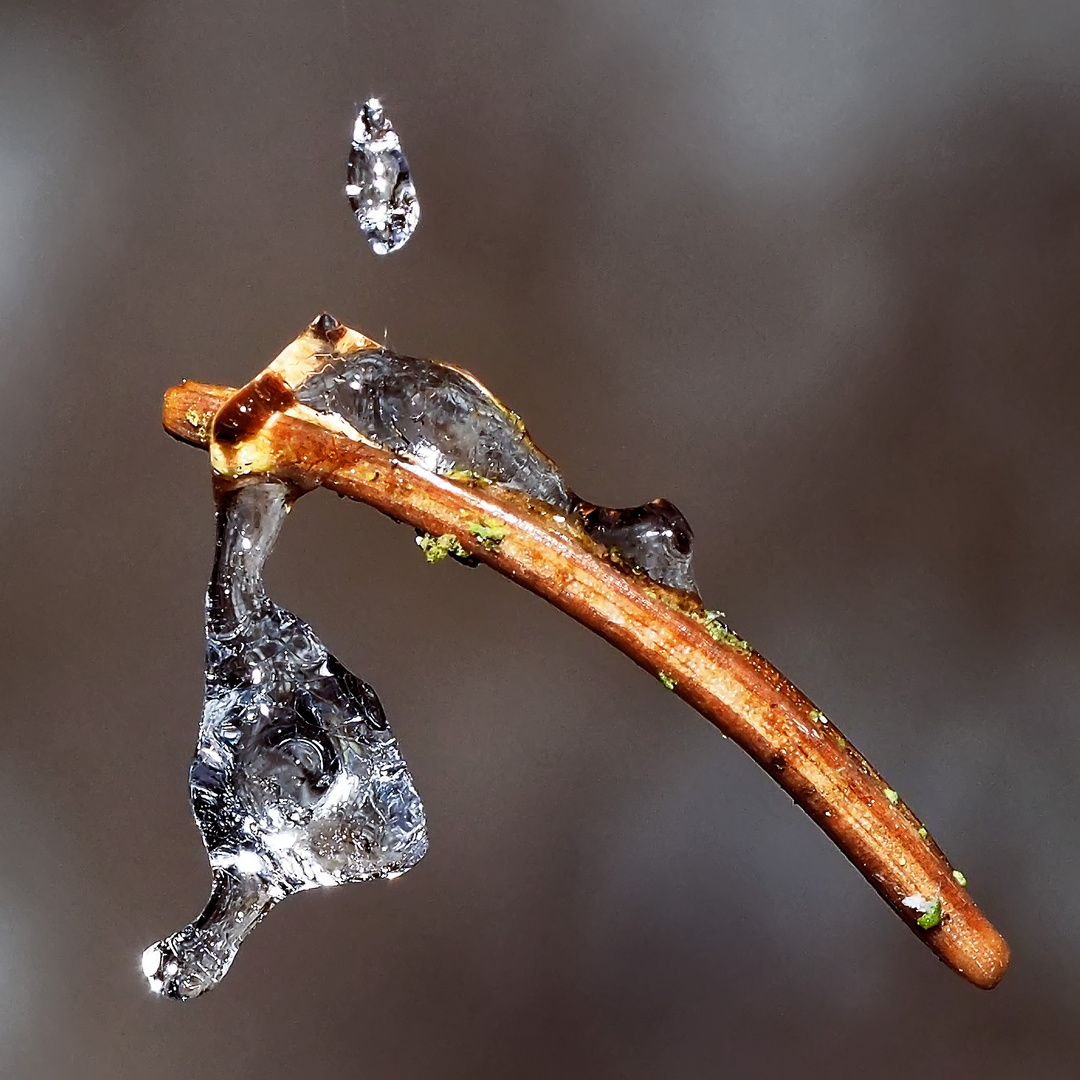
[(199, 421), (491, 536), (467, 476), (436, 548), (667, 681), (718, 630)]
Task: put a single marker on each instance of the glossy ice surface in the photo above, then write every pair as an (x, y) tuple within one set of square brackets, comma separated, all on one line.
[(446, 421), (437, 415), (655, 539), (297, 781), (379, 187)]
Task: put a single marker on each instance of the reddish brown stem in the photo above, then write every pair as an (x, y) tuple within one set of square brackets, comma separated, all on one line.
[(729, 683)]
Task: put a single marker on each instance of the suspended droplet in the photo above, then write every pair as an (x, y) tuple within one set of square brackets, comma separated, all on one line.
[(297, 780), (379, 187)]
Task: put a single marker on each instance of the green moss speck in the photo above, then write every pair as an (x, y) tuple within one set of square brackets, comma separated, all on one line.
[(892, 796), (199, 421), (436, 548), (929, 919), (922, 832), (488, 535), (718, 630), (668, 682), (960, 879)]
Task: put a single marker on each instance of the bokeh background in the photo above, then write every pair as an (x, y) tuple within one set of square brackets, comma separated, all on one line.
[(810, 270)]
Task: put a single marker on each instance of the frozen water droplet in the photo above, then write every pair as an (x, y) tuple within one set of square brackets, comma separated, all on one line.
[(379, 187), (297, 780), (196, 958), (655, 538)]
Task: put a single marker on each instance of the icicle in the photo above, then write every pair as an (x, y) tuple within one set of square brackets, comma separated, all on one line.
[(297, 780)]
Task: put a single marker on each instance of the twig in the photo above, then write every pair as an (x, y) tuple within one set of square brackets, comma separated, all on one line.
[(730, 684)]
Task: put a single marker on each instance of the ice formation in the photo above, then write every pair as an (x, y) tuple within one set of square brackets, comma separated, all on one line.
[(297, 780), (448, 422)]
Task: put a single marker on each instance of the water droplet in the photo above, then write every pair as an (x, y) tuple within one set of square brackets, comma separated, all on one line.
[(297, 780), (654, 538), (379, 187)]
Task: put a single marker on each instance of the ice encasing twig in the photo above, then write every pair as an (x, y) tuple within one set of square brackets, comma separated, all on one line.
[(666, 631)]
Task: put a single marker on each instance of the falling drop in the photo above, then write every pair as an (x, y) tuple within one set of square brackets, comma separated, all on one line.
[(379, 187), (297, 780)]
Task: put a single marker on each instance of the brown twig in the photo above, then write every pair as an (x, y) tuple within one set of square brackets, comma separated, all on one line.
[(729, 683)]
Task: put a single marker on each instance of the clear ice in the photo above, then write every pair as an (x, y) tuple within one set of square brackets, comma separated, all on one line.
[(437, 415), (297, 780), (379, 187), (446, 421)]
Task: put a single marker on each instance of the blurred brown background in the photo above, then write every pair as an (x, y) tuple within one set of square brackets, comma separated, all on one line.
[(808, 269)]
